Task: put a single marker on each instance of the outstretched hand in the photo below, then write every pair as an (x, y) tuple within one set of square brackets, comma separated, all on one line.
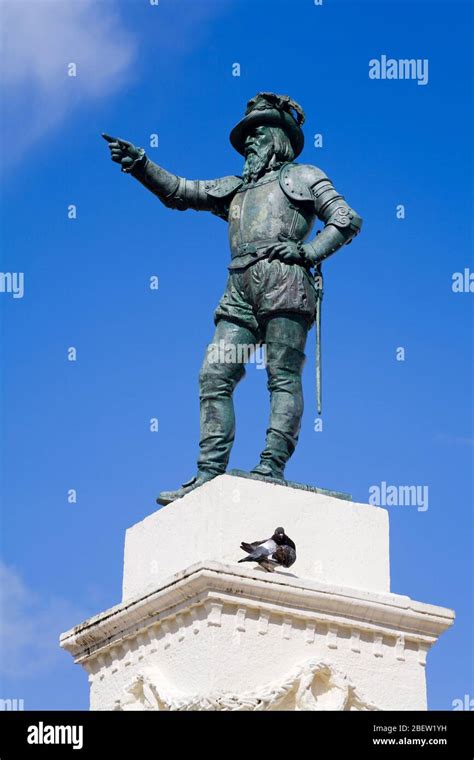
[(122, 151)]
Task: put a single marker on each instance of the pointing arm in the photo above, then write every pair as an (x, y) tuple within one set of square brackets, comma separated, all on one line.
[(174, 191)]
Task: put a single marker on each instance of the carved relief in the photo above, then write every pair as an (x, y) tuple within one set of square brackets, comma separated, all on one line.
[(313, 685)]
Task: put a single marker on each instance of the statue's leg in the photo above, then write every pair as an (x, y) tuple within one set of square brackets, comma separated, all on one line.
[(285, 338), (222, 369)]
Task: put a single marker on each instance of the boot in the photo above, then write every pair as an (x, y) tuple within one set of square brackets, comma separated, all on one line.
[(166, 497), (269, 470)]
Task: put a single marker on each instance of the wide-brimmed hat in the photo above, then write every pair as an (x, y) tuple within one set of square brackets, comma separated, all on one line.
[(269, 109)]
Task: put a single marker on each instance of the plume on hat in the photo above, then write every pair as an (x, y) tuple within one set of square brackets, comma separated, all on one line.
[(264, 100)]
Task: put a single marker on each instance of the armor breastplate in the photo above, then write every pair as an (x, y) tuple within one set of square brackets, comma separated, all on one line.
[(262, 212)]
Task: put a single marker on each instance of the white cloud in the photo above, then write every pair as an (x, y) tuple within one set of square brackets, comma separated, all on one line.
[(40, 39), (30, 627)]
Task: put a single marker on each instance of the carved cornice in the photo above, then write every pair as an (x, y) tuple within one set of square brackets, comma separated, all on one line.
[(280, 594)]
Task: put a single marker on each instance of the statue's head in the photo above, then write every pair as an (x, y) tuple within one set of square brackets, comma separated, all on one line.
[(269, 134)]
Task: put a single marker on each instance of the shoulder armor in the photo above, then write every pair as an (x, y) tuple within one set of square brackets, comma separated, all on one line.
[(221, 188), (296, 180)]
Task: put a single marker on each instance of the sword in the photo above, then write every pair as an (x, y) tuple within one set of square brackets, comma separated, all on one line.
[(318, 277)]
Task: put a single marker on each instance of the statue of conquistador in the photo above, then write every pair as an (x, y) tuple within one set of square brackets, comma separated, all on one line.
[(270, 297)]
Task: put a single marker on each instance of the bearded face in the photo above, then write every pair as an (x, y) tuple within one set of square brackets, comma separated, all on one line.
[(266, 148), (259, 152)]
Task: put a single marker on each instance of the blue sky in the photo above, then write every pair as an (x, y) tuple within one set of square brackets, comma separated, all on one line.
[(84, 425)]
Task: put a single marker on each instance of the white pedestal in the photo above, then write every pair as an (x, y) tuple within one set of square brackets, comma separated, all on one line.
[(198, 631)]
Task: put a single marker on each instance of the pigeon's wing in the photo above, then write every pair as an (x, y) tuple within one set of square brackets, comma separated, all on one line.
[(289, 542), (265, 549), (260, 552), (249, 547)]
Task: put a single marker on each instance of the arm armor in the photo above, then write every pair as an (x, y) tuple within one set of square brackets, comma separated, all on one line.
[(341, 222), (179, 193), (306, 183)]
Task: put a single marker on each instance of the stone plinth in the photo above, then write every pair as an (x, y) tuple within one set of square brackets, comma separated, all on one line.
[(198, 631), (338, 541)]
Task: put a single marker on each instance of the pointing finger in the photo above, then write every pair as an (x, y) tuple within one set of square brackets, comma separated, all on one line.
[(116, 141)]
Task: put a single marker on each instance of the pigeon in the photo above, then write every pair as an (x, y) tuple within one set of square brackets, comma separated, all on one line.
[(271, 552)]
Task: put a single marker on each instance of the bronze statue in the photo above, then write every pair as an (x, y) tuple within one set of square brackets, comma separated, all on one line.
[(270, 297)]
